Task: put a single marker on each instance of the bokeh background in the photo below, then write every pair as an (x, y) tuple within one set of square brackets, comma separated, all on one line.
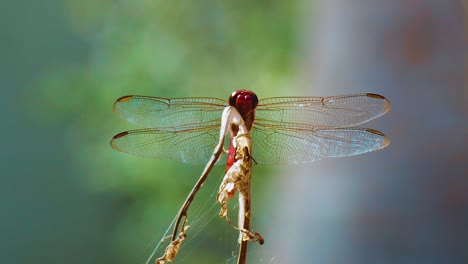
[(66, 196)]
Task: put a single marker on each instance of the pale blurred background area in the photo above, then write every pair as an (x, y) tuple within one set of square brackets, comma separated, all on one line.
[(67, 197), (409, 202)]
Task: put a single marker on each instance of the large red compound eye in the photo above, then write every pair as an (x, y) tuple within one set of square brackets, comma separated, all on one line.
[(233, 98), (243, 100)]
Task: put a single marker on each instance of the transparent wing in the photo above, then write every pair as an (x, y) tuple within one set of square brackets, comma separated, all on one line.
[(286, 144), (287, 130), (155, 112), (188, 145), (333, 111)]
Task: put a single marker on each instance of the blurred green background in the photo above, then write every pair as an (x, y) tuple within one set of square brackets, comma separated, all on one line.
[(72, 198), (66, 196)]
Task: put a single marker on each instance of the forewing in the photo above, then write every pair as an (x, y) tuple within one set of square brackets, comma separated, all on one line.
[(155, 112), (292, 145), (194, 146), (332, 111)]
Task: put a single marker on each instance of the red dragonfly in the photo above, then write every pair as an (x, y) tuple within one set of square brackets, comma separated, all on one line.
[(284, 130)]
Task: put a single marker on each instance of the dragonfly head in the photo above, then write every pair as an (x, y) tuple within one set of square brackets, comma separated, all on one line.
[(244, 101)]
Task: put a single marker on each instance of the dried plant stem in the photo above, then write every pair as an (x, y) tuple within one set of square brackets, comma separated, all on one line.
[(244, 214)]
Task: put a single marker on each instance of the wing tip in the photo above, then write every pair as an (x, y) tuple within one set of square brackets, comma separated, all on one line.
[(380, 97), (386, 140), (124, 98), (121, 100), (113, 143), (119, 135)]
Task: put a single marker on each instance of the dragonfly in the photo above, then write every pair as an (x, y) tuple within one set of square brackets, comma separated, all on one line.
[(276, 130)]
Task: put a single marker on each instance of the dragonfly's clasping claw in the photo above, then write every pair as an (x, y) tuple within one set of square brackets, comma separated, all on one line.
[(256, 163), (252, 237)]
